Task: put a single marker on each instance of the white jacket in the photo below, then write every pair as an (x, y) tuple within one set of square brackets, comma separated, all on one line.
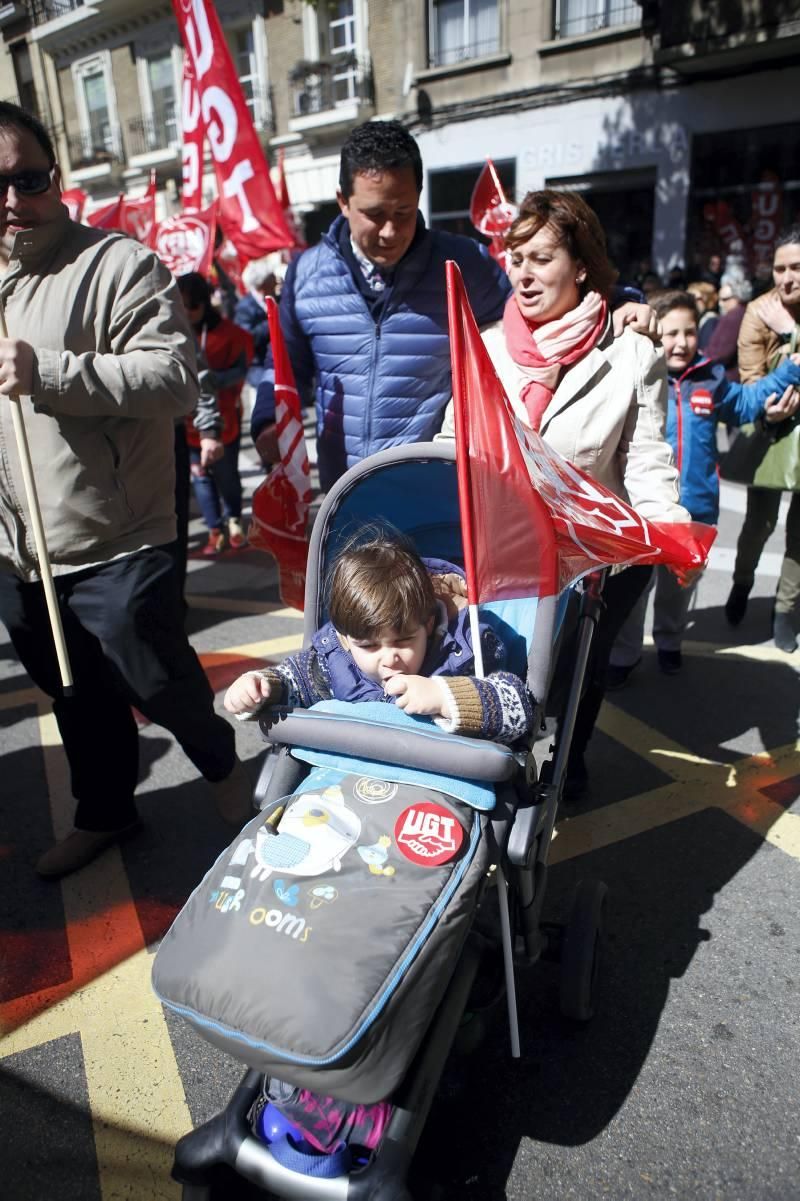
[(607, 416)]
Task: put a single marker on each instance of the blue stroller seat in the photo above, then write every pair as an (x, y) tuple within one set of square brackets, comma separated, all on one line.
[(414, 488)]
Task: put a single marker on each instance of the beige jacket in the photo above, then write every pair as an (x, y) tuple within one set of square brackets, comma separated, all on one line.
[(757, 345), (114, 366), (607, 416)]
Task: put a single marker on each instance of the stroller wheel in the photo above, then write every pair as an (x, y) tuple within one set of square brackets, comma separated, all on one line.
[(580, 952)]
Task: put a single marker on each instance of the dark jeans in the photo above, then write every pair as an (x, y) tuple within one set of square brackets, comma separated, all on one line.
[(127, 646), (219, 491), (620, 594)]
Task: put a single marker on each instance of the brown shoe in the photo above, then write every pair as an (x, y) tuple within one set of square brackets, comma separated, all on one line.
[(79, 848), (234, 796)]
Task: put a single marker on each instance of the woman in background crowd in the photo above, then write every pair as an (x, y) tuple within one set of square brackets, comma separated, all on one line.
[(228, 351), (261, 277), (734, 293), (770, 330)]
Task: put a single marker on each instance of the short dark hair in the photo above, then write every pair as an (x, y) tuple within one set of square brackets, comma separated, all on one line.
[(666, 302), (577, 228), (379, 582), (196, 291), (789, 237), (11, 115), (378, 146)]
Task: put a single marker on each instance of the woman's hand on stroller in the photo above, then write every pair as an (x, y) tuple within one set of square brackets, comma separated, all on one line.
[(248, 694), (417, 694)]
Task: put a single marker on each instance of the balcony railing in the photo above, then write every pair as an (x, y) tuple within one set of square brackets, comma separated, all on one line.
[(43, 11), (149, 134), (318, 87), (86, 150)]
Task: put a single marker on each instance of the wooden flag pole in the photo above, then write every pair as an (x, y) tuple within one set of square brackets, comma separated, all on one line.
[(38, 534)]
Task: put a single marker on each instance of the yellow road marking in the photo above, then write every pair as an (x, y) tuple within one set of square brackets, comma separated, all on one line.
[(136, 1097)]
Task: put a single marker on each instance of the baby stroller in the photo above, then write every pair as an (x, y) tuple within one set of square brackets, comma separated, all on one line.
[(513, 811)]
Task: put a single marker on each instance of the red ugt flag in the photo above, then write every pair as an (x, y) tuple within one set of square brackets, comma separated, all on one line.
[(249, 211), (532, 523), (489, 211), (281, 502)]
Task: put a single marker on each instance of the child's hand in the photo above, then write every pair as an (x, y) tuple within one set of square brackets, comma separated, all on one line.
[(776, 409), (247, 694), (416, 694)]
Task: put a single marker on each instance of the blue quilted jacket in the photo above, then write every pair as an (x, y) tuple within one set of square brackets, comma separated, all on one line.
[(380, 380), (698, 399)]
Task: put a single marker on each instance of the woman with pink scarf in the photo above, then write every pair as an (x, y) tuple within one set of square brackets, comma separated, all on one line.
[(599, 400)]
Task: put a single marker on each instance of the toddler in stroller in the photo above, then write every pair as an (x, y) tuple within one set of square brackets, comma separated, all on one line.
[(363, 996)]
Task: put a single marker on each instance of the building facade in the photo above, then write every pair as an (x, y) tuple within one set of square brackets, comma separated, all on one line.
[(678, 122)]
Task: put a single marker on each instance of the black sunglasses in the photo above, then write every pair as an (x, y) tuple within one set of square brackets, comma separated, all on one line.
[(26, 183)]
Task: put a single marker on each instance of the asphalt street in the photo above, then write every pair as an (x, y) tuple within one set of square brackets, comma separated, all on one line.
[(684, 1084)]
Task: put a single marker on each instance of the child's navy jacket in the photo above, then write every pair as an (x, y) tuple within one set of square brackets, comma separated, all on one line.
[(698, 400)]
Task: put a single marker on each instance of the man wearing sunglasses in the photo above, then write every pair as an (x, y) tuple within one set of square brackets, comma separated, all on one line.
[(101, 360)]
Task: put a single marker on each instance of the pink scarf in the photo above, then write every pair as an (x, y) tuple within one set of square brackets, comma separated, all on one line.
[(542, 349)]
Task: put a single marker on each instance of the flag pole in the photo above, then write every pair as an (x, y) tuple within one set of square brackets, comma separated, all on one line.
[(38, 534), (457, 352)]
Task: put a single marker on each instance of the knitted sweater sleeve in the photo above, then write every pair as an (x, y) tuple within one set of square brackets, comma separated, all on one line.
[(498, 707), (297, 683)]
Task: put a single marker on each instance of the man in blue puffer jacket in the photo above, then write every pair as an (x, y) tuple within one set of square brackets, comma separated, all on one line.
[(364, 312), (700, 396)]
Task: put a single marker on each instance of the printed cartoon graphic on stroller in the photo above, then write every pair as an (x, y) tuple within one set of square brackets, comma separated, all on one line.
[(433, 850)]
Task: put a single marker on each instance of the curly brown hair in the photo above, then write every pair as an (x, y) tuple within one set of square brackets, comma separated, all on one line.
[(577, 228)]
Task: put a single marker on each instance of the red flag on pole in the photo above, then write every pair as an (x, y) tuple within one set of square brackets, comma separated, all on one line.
[(185, 242), (193, 138), (250, 214), (532, 523), (281, 502), (108, 216), (282, 192), (490, 211), (139, 216)]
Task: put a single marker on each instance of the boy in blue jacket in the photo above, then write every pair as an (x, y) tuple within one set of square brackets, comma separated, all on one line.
[(700, 396)]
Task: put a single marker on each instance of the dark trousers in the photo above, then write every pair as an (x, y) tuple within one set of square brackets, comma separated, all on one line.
[(127, 646), (759, 523), (620, 594), (180, 546)]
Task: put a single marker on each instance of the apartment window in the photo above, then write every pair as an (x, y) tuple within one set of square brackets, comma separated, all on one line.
[(248, 48), (462, 29), (575, 17), (95, 102), (450, 192), (161, 86), (23, 73), (341, 29)]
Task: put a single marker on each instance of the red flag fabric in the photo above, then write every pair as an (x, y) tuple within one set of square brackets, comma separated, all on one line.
[(193, 139), (250, 214), (282, 192), (490, 211), (74, 199), (532, 523), (108, 216), (185, 242), (139, 216), (281, 502)]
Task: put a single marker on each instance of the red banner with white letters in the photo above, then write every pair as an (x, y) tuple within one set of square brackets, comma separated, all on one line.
[(193, 138), (249, 213), (139, 216), (186, 242)]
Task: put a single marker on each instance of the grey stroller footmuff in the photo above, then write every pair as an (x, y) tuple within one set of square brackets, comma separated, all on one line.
[(317, 952)]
